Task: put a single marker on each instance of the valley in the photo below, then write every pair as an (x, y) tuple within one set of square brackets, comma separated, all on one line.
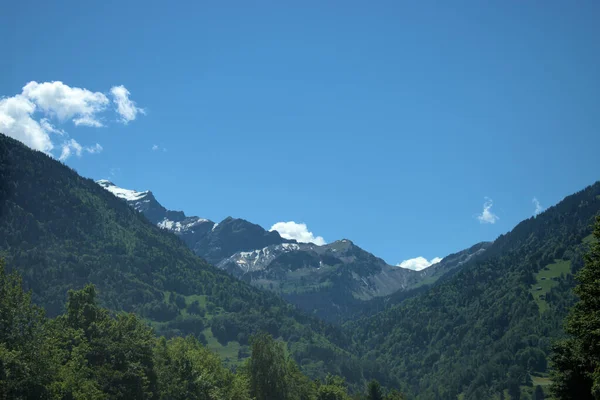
[(460, 328)]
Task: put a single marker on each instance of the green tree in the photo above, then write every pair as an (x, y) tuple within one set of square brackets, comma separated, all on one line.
[(118, 351), (24, 368), (374, 391), (187, 370), (394, 395), (538, 394), (330, 392), (576, 360), (332, 389), (268, 369)]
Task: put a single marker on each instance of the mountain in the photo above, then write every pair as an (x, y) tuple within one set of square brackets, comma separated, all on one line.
[(211, 241), (335, 282), (230, 236), (421, 282), (487, 327), (61, 231), (146, 203), (452, 262), (330, 280)]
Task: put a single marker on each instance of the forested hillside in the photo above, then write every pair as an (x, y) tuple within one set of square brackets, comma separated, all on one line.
[(89, 354), (61, 231), (486, 331), (483, 329)]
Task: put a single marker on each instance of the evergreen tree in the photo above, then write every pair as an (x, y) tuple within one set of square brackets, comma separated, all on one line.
[(576, 360), (374, 391), (538, 394)]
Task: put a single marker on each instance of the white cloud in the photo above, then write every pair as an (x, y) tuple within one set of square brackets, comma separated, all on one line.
[(419, 263), (27, 116), (125, 107), (65, 103), (16, 121), (538, 206), (71, 147), (154, 147), (87, 121), (94, 149), (487, 216), (300, 232), (48, 127)]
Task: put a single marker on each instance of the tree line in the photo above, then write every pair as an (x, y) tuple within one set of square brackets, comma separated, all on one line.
[(89, 353)]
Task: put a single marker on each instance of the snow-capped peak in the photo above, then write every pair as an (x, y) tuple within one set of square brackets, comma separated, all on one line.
[(127, 194)]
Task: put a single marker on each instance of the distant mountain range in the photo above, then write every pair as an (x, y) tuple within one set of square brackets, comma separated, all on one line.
[(332, 281), (212, 241)]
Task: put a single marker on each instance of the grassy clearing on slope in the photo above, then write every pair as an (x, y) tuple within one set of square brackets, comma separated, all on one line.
[(228, 353), (546, 279), (200, 297), (589, 239), (427, 281), (541, 380)]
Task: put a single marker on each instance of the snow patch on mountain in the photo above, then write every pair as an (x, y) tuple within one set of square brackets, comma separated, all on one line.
[(181, 226), (260, 259), (127, 194)]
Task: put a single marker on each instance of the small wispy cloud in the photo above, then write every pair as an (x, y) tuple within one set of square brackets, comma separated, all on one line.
[(94, 149), (155, 147), (487, 216), (126, 107), (113, 172), (72, 147), (538, 206)]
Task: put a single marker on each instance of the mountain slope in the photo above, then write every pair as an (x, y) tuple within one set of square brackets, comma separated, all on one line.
[(331, 281), (488, 326), (336, 282), (422, 282), (61, 231)]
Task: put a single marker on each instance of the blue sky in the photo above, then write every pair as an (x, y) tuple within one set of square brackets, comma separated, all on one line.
[(388, 123)]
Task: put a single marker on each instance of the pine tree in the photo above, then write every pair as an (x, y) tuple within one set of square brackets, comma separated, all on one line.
[(374, 391), (576, 360), (539, 393)]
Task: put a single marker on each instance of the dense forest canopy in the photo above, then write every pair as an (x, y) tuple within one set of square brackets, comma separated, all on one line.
[(487, 328), (87, 353)]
